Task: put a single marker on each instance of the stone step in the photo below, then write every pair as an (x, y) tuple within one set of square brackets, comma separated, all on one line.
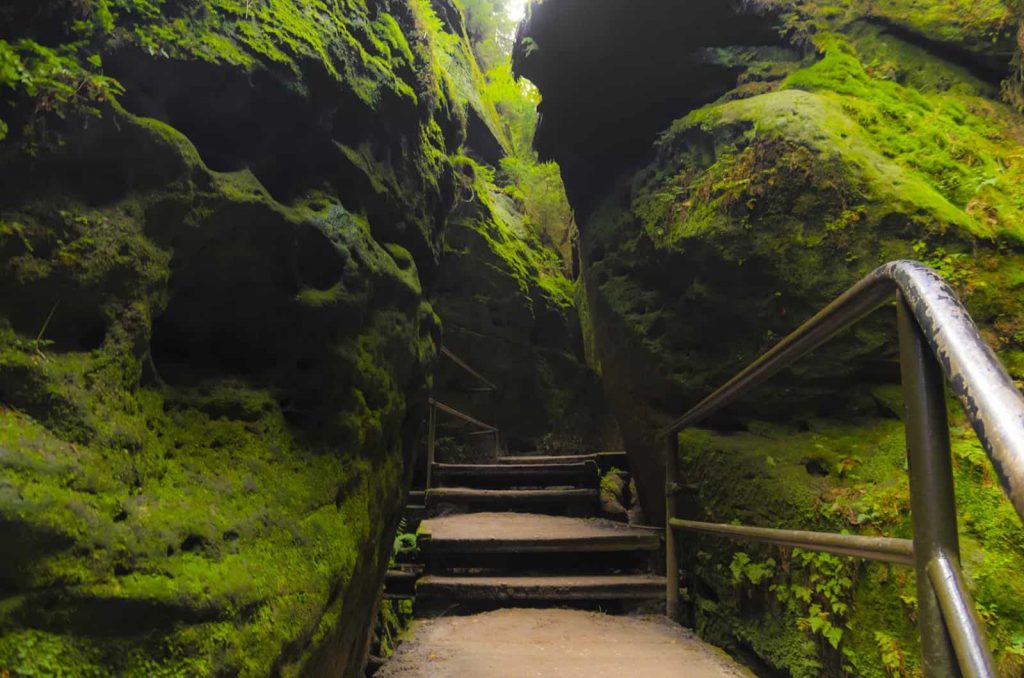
[(583, 473), (414, 515), (604, 460), (401, 578), (512, 643), (595, 588), (547, 459), (575, 502), (486, 533)]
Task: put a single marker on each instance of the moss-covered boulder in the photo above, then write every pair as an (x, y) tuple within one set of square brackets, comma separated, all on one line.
[(772, 205), (214, 342)]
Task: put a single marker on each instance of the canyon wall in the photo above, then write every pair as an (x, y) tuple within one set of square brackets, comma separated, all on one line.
[(735, 166), (222, 225)]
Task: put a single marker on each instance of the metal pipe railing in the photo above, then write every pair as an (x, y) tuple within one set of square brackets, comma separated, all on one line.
[(461, 416), (881, 549), (938, 342), (489, 386), (965, 632), (436, 406)]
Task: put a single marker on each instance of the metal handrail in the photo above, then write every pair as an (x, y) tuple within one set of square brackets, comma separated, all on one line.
[(881, 549), (436, 406), (938, 341), (469, 370), (448, 409)]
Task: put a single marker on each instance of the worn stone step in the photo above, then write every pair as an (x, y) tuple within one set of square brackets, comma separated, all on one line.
[(485, 533), (583, 473), (405, 571), (556, 643), (414, 515), (401, 578), (542, 589), (546, 459), (604, 460), (567, 501)]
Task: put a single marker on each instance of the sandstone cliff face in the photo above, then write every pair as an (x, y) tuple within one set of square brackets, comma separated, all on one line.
[(510, 311), (216, 222), (503, 295), (735, 166), (222, 224)]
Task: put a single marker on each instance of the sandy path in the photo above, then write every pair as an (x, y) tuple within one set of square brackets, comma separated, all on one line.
[(518, 643)]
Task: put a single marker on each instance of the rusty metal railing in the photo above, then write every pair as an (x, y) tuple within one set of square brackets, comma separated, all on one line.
[(938, 341), (436, 406)]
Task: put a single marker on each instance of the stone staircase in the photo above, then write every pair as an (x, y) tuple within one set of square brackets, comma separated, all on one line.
[(523, 532)]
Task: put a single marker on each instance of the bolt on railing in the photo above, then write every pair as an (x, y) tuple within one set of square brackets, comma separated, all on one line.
[(436, 406), (938, 341)]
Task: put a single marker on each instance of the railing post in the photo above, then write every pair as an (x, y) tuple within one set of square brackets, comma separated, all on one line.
[(932, 502), (671, 551), (431, 440)]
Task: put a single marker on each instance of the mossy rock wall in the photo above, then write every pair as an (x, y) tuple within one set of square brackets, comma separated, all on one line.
[(502, 293), (762, 175), (1014, 86), (808, 614), (216, 221), (509, 311)]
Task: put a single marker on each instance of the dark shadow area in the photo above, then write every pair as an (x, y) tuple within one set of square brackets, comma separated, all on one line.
[(594, 64)]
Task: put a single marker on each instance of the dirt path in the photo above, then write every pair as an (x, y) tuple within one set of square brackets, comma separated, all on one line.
[(528, 526), (518, 643)]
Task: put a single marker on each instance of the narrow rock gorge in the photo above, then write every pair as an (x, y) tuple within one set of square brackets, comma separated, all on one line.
[(237, 235)]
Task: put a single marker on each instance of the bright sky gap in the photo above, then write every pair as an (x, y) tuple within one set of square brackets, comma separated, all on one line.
[(517, 9)]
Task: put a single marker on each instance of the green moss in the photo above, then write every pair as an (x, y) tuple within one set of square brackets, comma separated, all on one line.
[(176, 519), (47, 85), (194, 512), (846, 477), (457, 67), (947, 154), (348, 43), (981, 28), (774, 204), (961, 145), (611, 482), (205, 532), (535, 268)]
